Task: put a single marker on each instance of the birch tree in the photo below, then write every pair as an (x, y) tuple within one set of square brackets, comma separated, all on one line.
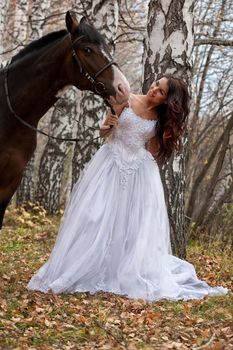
[(81, 114), (53, 169), (209, 164), (3, 11), (167, 49), (54, 166), (104, 16)]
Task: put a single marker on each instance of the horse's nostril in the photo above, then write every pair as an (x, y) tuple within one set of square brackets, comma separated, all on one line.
[(120, 89)]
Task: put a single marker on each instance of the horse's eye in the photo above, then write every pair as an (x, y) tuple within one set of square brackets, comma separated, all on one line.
[(87, 50)]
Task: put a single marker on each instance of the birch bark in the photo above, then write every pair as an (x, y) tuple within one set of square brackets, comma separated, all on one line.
[(167, 49), (54, 179), (104, 15)]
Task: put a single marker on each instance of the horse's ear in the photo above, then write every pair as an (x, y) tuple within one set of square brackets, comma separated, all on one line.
[(71, 22), (83, 19)]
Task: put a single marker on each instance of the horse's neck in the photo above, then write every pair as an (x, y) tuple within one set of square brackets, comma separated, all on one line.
[(35, 79)]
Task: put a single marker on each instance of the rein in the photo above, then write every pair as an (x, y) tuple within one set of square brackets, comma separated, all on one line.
[(99, 88), (23, 121)]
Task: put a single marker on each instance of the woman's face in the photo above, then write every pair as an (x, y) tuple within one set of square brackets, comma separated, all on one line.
[(158, 92)]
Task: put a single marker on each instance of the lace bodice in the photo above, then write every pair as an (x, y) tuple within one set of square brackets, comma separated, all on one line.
[(128, 141), (133, 131)]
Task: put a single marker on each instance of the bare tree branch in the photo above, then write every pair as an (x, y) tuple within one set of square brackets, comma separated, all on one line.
[(214, 42)]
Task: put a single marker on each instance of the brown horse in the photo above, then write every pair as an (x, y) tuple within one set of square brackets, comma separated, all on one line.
[(29, 84)]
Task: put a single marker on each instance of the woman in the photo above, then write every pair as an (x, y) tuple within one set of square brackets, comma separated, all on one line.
[(115, 231)]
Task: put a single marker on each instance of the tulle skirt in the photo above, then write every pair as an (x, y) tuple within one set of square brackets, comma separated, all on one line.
[(114, 237)]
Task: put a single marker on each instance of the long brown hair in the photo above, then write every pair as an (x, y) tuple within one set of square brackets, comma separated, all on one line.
[(171, 117)]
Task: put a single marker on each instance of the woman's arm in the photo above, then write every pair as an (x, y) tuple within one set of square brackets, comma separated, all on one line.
[(153, 146), (106, 129), (111, 120)]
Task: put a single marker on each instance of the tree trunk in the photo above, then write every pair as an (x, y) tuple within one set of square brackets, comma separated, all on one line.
[(195, 132), (215, 176), (3, 46), (104, 15), (3, 11), (54, 177), (167, 49), (92, 109), (53, 171)]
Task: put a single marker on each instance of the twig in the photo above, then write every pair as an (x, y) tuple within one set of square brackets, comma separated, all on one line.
[(10, 50), (205, 345)]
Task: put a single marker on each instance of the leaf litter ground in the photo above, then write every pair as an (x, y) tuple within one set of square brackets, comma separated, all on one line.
[(33, 320)]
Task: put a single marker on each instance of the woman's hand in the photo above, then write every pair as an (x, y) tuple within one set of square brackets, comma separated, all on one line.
[(110, 122), (105, 131)]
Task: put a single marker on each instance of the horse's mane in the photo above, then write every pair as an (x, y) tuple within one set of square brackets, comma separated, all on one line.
[(37, 44), (90, 33)]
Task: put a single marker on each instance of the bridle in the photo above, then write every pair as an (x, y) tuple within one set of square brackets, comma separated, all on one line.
[(98, 87)]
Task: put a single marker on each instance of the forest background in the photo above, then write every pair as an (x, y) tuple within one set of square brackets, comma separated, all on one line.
[(193, 39), (198, 185)]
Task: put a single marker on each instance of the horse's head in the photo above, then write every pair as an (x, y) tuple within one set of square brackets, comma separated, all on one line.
[(93, 60)]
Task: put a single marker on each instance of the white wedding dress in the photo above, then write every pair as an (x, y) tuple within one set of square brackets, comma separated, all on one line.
[(114, 235)]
